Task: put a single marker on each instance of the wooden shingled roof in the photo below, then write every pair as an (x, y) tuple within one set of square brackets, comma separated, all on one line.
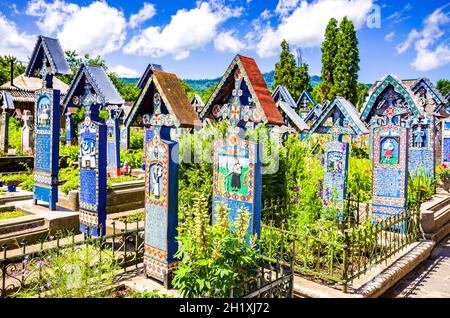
[(262, 92), (173, 96), (256, 84), (170, 87)]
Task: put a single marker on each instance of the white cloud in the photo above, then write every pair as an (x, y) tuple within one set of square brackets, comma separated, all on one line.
[(51, 16), (227, 41), (284, 7), (305, 25), (187, 30), (13, 42), (399, 16), (388, 37), (124, 71), (147, 12), (430, 43), (93, 29), (266, 14)]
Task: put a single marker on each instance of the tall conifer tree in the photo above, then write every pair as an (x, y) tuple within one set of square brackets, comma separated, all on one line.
[(285, 68), (346, 60), (329, 52), (302, 81)]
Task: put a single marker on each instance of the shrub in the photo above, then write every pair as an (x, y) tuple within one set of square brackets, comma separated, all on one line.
[(214, 259), (133, 156), (79, 272)]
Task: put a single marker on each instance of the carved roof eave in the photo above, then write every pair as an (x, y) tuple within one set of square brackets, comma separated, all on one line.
[(379, 88)]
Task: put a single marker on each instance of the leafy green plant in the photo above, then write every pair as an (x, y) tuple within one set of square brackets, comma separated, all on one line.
[(136, 138), (79, 272), (149, 294), (420, 187), (71, 152), (133, 157), (214, 259)]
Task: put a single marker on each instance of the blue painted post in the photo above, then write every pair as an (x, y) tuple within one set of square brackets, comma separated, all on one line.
[(113, 144), (390, 170), (336, 174), (46, 145), (148, 134), (161, 205), (445, 156), (69, 128), (92, 162), (124, 136), (422, 146), (237, 170)]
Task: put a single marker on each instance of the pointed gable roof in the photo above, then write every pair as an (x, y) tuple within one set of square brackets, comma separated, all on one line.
[(314, 112), (51, 49), (172, 94), (379, 87), (306, 95), (440, 100), (282, 93), (196, 100), (292, 115), (100, 82), (349, 112), (256, 85), (148, 72)]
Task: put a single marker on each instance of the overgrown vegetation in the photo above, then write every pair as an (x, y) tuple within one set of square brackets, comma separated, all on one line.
[(216, 259)]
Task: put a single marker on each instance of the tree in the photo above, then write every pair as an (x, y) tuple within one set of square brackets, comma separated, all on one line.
[(345, 74), (206, 94), (285, 68), (443, 86), (329, 52), (5, 68), (361, 92), (320, 92), (302, 81)]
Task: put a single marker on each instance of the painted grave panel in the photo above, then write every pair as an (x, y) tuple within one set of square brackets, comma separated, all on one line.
[(161, 207), (113, 147), (422, 147), (237, 179), (336, 167), (445, 156), (46, 147), (92, 162), (390, 166)]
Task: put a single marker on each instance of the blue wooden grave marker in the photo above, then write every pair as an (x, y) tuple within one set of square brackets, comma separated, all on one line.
[(170, 108), (46, 61), (422, 146), (345, 121), (390, 163), (92, 163), (445, 155), (237, 170), (69, 129), (113, 143)]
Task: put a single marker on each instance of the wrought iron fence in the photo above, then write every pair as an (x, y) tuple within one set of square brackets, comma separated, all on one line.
[(338, 254), (24, 266), (274, 279)]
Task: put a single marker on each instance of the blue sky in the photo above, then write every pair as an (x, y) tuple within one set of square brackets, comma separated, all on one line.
[(198, 39)]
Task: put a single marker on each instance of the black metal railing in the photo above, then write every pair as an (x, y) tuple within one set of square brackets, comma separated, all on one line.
[(23, 266), (336, 255)]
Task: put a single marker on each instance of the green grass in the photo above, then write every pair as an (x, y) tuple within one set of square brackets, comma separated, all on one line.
[(11, 214), (135, 216)]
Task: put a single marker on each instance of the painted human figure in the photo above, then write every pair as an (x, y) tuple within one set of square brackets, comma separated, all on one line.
[(388, 148), (419, 135), (87, 154), (236, 175), (156, 176)]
